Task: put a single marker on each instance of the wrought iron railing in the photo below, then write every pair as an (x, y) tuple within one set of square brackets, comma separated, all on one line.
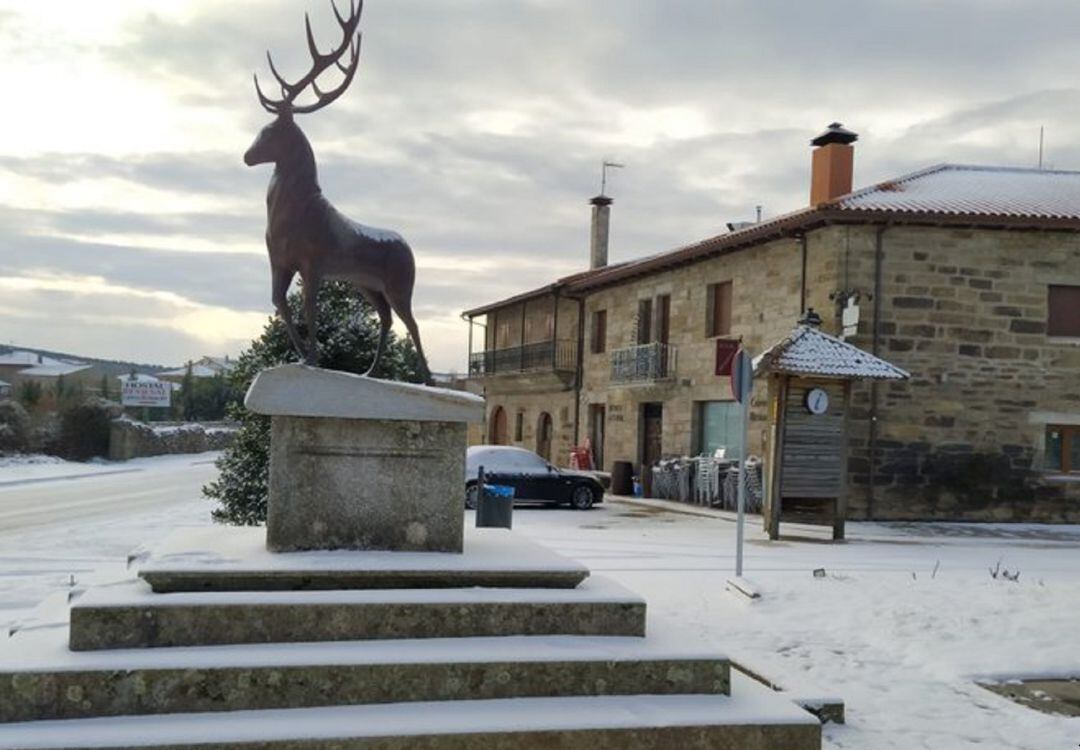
[(644, 363), (544, 355)]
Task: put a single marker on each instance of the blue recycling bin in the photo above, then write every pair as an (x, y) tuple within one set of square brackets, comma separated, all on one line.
[(495, 506)]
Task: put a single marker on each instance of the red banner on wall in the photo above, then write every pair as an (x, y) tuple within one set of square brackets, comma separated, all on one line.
[(726, 349)]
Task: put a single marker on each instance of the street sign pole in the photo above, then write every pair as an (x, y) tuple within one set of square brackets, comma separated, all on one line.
[(742, 376)]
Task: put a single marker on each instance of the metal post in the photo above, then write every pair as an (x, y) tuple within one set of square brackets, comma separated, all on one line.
[(741, 502), (744, 392)]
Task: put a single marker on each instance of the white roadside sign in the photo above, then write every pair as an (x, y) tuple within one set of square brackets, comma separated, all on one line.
[(145, 393)]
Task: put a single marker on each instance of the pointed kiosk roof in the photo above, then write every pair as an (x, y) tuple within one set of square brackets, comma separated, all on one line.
[(808, 351)]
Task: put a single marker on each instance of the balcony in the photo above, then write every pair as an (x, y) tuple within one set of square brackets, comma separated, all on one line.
[(645, 363), (543, 356)]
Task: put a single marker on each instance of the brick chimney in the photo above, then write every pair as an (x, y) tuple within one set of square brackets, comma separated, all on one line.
[(833, 164), (598, 237)]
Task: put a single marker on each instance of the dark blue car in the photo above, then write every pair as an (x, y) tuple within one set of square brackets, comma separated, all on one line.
[(534, 480)]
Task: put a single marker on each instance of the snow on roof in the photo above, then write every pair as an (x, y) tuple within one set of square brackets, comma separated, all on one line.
[(197, 371), (27, 359), (808, 351), (972, 190), (140, 377), (54, 370)]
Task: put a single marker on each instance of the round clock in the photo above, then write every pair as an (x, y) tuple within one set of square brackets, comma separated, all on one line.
[(817, 401)]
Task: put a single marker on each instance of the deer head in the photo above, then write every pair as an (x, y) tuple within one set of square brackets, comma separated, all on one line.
[(279, 139)]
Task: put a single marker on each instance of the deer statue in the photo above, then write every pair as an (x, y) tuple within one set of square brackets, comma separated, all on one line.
[(305, 234)]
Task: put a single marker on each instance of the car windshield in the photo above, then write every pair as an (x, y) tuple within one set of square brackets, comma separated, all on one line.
[(503, 459)]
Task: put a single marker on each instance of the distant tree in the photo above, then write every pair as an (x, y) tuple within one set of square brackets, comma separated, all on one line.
[(104, 386), (347, 335), (187, 394), (30, 393)]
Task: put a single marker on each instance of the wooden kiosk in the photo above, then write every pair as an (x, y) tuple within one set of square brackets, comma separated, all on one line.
[(810, 375)]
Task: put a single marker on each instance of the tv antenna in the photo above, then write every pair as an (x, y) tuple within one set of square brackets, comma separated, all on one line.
[(1040, 147), (603, 173)]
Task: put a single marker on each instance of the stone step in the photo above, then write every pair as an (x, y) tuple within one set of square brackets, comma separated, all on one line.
[(755, 720), (230, 558), (131, 616), (41, 679)]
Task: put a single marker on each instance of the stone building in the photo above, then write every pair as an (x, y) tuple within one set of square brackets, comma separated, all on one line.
[(966, 277)]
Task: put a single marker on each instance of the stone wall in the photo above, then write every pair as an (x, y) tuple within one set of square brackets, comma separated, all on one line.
[(531, 403), (130, 439), (766, 288), (965, 312)]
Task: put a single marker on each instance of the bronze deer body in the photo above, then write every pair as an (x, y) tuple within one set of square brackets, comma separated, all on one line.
[(305, 234)]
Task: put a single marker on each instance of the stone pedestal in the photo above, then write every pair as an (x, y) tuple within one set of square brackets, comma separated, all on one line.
[(359, 463)]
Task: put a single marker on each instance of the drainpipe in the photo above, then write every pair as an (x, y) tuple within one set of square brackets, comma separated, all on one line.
[(579, 369), (802, 286), (875, 347)]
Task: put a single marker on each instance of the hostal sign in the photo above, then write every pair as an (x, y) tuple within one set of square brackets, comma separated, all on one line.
[(145, 393)]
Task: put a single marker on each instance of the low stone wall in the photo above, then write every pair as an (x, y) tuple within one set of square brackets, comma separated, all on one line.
[(130, 439)]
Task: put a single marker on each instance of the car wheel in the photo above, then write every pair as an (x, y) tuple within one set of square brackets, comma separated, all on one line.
[(582, 498), (472, 497)]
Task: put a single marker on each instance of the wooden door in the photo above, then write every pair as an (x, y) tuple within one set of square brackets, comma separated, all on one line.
[(497, 432), (597, 418), (652, 419)]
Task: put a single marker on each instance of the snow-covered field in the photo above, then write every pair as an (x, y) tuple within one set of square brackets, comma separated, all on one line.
[(901, 624)]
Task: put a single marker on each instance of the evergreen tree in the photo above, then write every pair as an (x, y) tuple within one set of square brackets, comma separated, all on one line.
[(347, 334), (187, 395)]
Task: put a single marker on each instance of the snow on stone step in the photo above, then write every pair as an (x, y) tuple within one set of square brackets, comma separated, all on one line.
[(41, 679), (235, 558), (750, 719), (130, 615)]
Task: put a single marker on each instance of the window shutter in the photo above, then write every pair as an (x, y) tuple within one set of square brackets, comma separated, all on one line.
[(599, 332), (722, 324), (663, 318), (644, 328), (1063, 311)]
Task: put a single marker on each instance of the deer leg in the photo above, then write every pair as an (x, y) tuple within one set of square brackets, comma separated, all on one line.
[(403, 308), (280, 281), (311, 317), (382, 307)]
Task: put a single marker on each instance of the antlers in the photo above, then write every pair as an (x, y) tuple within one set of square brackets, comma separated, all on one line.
[(320, 63)]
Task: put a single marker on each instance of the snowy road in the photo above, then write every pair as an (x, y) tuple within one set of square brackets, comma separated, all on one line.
[(73, 524), (903, 621), (77, 492)]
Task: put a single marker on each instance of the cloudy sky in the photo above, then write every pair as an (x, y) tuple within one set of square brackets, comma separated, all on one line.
[(130, 228)]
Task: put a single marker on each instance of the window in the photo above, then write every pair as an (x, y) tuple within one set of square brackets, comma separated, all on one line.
[(502, 333), (718, 309), (644, 321), (519, 426), (599, 332), (719, 425), (1063, 448), (539, 328), (1063, 311)]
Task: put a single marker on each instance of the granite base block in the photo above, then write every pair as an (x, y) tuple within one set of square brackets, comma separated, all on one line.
[(366, 484)]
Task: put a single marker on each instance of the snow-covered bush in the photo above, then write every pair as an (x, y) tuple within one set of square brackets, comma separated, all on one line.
[(348, 332), (84, 429), (14, 427)]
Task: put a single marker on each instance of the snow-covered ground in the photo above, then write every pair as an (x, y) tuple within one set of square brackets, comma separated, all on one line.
[(904, 620), (64, 523)]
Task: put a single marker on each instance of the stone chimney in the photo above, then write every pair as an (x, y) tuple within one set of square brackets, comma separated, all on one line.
[(833, 164), (598, 238)]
